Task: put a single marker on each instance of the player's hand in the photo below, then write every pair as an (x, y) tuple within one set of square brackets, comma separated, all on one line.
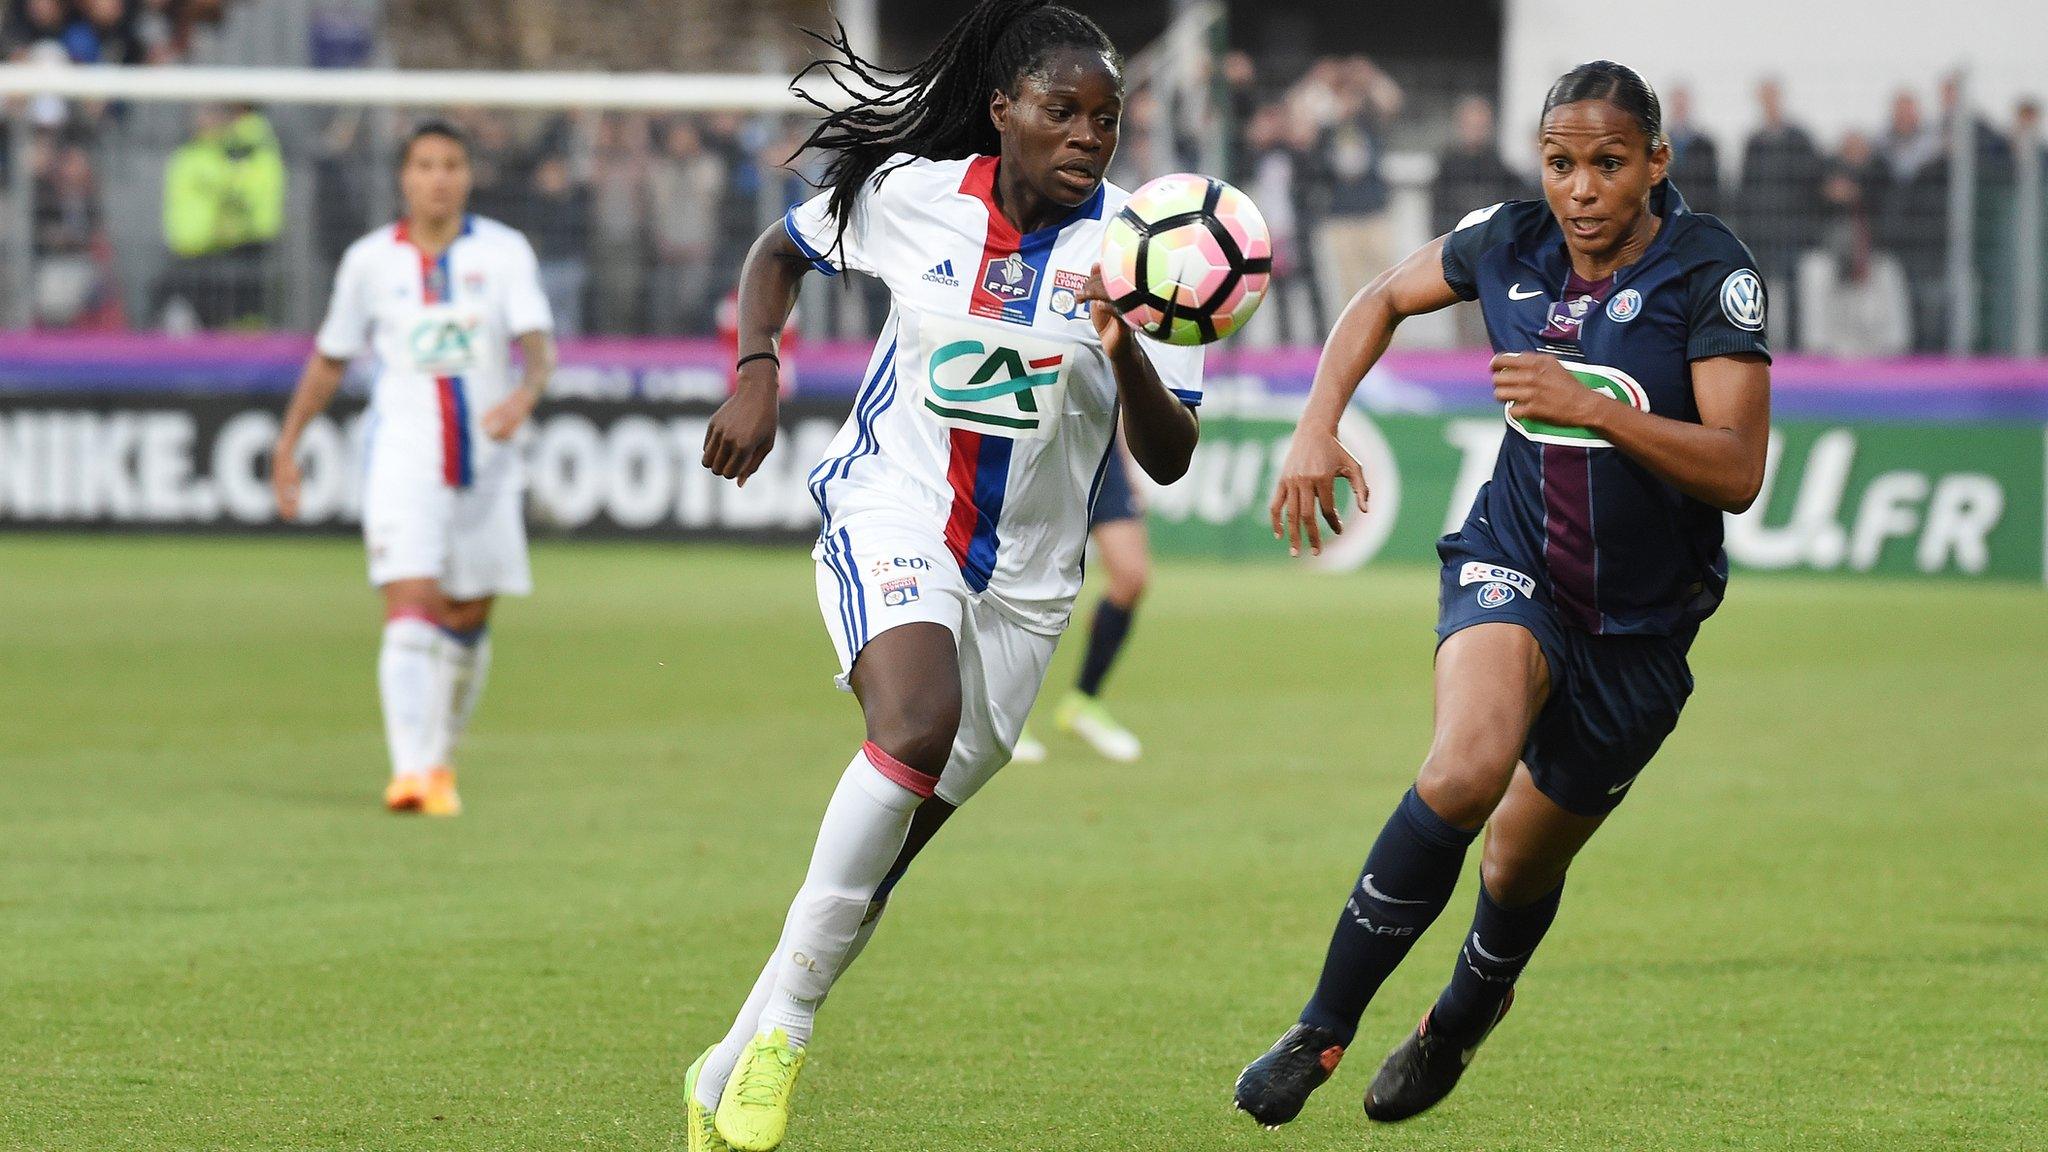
[(742, 431), (284, 479), (1308, 484), (508, 414), (1109, 323), (1540, 389)]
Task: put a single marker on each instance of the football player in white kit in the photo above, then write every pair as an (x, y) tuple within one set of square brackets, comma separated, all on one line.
[(955, 500), (438, 297)]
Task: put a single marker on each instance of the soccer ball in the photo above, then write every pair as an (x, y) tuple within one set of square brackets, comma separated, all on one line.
[(1187, 259)]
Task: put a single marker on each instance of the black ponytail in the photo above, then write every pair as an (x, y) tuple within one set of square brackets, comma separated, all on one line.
[(1619, 85), (939, 109)]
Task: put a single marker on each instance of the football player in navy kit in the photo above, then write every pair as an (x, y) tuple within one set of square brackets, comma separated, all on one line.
[(1631, 361)]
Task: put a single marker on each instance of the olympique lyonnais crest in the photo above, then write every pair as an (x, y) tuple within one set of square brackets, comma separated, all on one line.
[(1066, 294), (897, 593), (1009, 278)]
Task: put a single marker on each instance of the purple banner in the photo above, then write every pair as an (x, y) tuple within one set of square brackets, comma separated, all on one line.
[(1908, 388)]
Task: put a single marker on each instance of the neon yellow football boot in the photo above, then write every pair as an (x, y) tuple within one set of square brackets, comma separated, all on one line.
[(704, 1135), (753, 1115), (1084, 716)]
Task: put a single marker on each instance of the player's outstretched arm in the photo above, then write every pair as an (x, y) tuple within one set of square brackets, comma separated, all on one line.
[(1719, 460), (1160, 430), (742, 431), (318, 382), (1308, 479)]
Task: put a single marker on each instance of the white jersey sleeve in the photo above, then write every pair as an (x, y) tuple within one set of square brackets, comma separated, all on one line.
[(814, 227), (1179, 368), (345, 333), (526, 305)]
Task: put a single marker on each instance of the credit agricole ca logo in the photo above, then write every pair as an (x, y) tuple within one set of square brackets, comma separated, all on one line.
[(998, 390)]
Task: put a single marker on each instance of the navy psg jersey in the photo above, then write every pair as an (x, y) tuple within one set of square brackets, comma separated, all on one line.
[(1616, 549)]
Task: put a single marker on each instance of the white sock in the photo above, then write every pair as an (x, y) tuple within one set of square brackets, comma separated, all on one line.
[(407, 682), (863, 832), (464, 664), (718, 1066)]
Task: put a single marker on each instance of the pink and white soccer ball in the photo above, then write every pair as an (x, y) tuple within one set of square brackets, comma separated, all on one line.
[(1187, 259)]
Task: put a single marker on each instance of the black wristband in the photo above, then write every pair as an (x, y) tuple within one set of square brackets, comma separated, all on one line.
[(744, 360)]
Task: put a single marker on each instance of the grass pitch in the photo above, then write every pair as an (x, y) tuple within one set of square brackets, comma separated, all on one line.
[(1820, 921)]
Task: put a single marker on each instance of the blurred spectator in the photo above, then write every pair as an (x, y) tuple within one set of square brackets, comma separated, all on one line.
[(103, 33), (1855, 294), (35, 22), (499, 179), (1241, 103), (1144, 142), (73, 284), (224, 194), (1695, 162), (686, 184), (1914, 224), (160, 31), (1469, 175), (618, 200), (1778, 205), (557, 221), (341, 211), (1993, 153), (1352, 101), (1276, 145), (1469, 172)]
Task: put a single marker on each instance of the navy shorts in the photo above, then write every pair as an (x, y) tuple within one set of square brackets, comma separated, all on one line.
[(1115, 501), (1613, 699)]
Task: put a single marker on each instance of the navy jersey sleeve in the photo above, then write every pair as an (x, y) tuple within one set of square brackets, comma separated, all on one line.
[(1480, 230), (1725, 298)]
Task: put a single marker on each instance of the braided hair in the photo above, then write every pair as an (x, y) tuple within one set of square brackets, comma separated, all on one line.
[(938, 109)]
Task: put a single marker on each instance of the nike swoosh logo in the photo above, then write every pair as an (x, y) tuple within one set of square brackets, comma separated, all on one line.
[(1516, 293), (1623, 784), (1382, 897), (1481, 949)]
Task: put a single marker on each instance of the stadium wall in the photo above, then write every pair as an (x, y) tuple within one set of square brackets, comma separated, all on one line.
[(1912, 467)]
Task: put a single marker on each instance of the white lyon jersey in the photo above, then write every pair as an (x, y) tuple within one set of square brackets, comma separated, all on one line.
[(441, 330), (988, 410)]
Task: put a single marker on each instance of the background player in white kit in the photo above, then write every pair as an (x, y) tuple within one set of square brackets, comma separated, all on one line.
[(956, 497), (438, 297)]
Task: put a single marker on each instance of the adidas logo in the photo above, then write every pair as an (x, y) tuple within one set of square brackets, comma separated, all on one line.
[(942, 273)]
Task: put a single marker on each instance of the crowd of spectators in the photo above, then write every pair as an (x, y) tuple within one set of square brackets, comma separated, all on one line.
[(1853, 239), (73, 282), (641, 221)]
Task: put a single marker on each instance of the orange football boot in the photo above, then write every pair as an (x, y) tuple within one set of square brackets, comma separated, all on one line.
[(440, 798), (405, 793)]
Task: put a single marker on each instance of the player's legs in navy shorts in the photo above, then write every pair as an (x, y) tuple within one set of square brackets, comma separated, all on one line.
[(1613, 699)]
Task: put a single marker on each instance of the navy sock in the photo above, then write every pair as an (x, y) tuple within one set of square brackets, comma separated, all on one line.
[(1407, 880), (1496, 951), (1105, 639)]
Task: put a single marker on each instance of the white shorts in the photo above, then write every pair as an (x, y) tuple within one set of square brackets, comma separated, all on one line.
[(877, 575), (471, 540)]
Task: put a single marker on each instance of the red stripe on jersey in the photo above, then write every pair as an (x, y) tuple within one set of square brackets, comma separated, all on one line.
[(1048, 362), (960, 472), (451, 432), (997, 243)]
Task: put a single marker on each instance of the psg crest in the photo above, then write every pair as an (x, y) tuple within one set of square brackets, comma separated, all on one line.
[(1493, 594)]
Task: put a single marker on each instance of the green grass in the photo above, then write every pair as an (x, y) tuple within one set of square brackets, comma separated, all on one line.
[(1821, 920)]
